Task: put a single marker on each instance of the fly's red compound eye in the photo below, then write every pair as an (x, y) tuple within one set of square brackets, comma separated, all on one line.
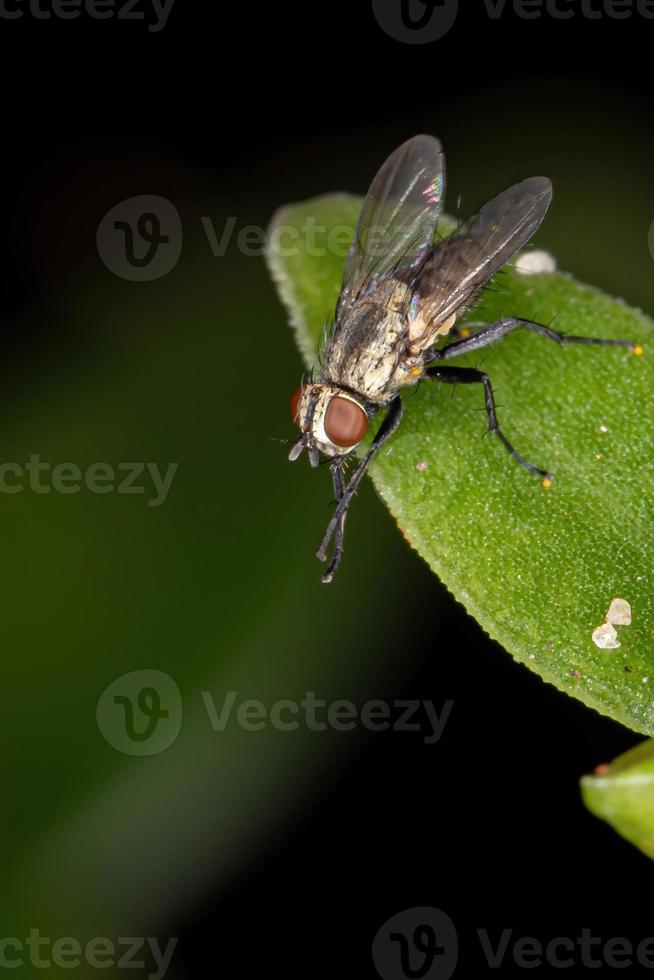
[(295, 405), (346, 423)]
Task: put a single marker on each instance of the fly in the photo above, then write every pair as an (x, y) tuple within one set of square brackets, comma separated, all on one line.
[(402, 293)]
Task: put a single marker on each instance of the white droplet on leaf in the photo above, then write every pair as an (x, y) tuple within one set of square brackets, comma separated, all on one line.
[(535, 262), (619, 613), (605, 637)]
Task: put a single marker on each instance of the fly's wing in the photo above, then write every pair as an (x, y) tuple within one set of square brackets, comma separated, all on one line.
[(464, 262), (397, 223)]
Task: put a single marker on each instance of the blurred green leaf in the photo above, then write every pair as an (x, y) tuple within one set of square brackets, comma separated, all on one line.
[(622, 793), (214, 587), (536, 567)]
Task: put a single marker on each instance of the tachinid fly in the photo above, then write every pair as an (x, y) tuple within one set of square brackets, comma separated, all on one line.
[(403, 292)]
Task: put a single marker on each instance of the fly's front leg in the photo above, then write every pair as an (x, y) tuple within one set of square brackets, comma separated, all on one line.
[(386, 429), (456, 375), (337, 481), (495, 331)]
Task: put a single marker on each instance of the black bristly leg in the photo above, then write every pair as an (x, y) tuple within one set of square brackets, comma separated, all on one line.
[(337, 481), (495, 331), (457, 375), (386, 429)]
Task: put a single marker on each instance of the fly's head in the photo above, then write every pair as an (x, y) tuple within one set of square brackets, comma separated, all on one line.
[(332, 421)]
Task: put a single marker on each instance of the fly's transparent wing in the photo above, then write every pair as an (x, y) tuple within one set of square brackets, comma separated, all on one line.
[(464, 262), (397, 221)]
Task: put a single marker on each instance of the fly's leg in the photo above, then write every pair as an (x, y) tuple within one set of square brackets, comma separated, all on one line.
[(386, 429), (495, 331), (457, 375), (337, 481)]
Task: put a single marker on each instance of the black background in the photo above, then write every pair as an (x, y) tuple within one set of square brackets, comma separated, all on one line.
[(268, 102)]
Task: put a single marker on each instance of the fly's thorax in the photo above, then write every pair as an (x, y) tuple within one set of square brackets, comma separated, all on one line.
[(364, 351), (330, 417)]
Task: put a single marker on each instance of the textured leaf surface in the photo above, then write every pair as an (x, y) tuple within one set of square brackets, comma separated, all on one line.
[(536, 567)]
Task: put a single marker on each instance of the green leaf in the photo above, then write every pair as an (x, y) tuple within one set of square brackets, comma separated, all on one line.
[(210, 588), (622, 793), (536, 567)]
